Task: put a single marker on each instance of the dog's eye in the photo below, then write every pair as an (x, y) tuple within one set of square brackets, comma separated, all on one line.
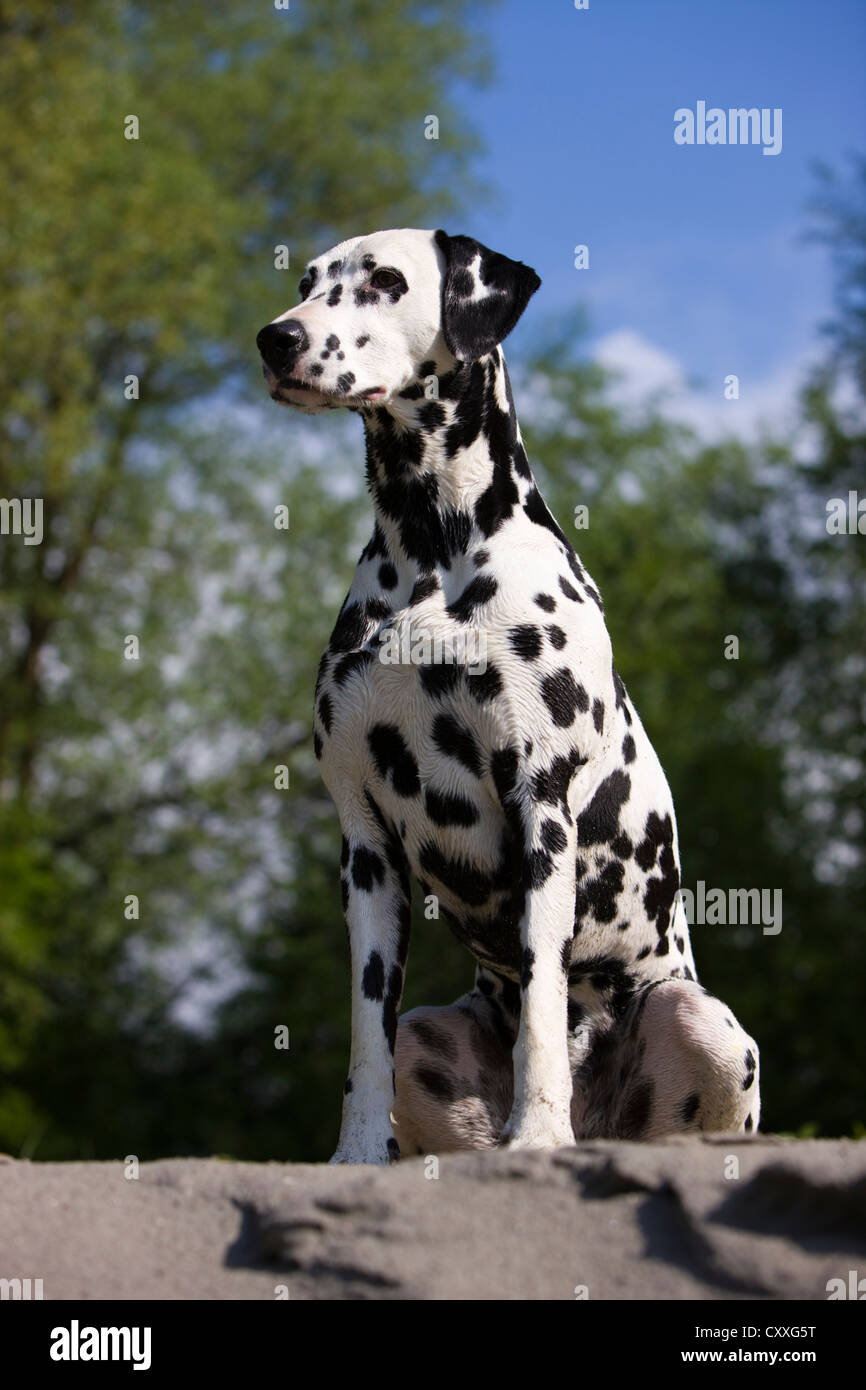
[(386, 280), (305, 286)]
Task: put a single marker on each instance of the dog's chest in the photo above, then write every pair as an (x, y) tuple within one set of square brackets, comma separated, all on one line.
[(413, 725)]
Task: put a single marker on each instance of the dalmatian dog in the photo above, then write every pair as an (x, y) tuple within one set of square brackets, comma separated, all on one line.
[(509, 775)]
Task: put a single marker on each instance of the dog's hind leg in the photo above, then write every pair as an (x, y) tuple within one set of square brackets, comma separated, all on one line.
[(455, 1084), (678, 1062)]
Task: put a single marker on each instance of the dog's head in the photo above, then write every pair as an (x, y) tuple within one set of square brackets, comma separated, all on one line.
[(381, 312)]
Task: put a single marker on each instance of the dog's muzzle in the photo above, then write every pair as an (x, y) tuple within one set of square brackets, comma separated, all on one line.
[(281, 344)]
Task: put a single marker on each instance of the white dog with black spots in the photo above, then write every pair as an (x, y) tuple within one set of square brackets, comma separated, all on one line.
[(521, 792)]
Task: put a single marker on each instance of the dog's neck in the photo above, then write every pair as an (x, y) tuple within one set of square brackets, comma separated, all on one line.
[(446, 468)]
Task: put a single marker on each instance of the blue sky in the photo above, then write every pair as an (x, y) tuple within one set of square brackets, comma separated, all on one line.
[(696, 253)]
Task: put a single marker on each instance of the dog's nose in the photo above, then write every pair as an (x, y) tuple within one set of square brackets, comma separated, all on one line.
[(281, 344)]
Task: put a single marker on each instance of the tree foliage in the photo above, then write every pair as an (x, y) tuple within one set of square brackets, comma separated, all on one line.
[(154, 258)]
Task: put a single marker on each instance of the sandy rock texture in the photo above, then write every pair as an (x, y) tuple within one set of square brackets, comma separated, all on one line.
[(711, 1218)]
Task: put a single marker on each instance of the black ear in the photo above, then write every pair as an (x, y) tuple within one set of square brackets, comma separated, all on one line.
[(483, 295)]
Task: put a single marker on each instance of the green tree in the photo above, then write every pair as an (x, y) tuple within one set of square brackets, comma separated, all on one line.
[(766, 753), (154, 257)]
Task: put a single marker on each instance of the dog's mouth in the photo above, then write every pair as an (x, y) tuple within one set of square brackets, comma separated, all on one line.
[(303, 395)]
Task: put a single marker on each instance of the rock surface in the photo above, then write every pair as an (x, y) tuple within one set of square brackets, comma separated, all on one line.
[(627, 1221)]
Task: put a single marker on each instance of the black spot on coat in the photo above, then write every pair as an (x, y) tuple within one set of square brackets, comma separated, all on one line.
[(553, 837), (478, 591), (689, 1108), (351, 628), (393, 758), (484, 686), (599, 823), (373, 979), (564, 696), (439, 680), (436, 1083), (456, 741), (636, 1110), (367, 869), (449, 810), (525, 641)]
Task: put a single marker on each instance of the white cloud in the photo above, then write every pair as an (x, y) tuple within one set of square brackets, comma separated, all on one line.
[(645, 372)]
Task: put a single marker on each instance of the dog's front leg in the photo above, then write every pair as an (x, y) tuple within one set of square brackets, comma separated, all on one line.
[(376, 898), (541, 1114)]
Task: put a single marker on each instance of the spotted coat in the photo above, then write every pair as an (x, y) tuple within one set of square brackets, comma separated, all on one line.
[(518, 788)]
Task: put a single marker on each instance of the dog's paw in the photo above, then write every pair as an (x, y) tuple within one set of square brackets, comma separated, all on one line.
[(382, 1153), (537, 1132)]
